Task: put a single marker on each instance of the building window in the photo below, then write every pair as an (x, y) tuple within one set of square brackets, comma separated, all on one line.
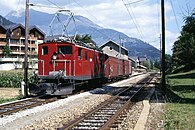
[(65, 49), (32, 42), (44, 50), (110, 48)]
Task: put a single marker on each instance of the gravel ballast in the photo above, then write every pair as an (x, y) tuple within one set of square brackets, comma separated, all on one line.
[(55, 114)]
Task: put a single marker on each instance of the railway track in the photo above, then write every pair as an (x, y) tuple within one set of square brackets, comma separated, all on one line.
[(10, 108), (109, 113)]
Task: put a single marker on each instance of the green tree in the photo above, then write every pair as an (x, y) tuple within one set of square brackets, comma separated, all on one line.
[(6, 51), (184, 47), (86, 38), (146, 63), (168, 63), (157, 64)]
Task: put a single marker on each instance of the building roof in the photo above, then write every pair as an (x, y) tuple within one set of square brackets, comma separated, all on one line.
[(103, 45), (133, 60), (14, 26), (35, 27), (142, 67)]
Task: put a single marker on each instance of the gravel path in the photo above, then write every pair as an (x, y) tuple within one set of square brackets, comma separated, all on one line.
[(155, 118), (132, 116)]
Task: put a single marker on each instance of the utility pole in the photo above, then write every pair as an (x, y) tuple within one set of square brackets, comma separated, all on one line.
[(160, 53), (119, 59), (163, 46), (26, 50)]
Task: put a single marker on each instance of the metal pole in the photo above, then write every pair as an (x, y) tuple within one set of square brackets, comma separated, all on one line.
[(163, 45), (26, 50)]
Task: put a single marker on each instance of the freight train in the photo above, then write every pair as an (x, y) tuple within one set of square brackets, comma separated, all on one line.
[(64, 63)]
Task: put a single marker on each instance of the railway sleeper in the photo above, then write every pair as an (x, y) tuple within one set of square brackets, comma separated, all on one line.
[(94, 121), (86, 128), (99, 117), (89, 124)]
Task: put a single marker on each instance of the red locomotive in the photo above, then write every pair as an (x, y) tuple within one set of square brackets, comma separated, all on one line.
[(64, 63)]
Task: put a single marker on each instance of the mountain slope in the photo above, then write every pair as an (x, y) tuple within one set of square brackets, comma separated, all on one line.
[(83, 25), (4, 21)]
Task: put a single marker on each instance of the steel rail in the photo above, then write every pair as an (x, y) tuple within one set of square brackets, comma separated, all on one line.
[(11, 108), (113, 100)]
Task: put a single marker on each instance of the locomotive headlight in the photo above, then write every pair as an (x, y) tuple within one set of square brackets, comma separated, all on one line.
[(54, 57)]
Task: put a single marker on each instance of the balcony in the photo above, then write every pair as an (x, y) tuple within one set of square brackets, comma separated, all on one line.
[(22, 52), (3, 43), (15, 44), (17, 52), (2, 35), (32, 45)]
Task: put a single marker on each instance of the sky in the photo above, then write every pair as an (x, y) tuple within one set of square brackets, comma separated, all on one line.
[(136, 18)]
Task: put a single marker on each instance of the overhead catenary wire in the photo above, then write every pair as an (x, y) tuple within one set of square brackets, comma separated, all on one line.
[(175, 15), (136, 18), (108, 37), (134, 2), (95, 19), (132, 19), (58, 7), (158, 17), (17, 8), (38, 5), (54, 4)]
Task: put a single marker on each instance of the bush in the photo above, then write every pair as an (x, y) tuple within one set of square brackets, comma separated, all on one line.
[(13, 78)]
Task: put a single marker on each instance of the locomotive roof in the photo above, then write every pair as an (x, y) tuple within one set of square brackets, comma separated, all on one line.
[(58, 39)]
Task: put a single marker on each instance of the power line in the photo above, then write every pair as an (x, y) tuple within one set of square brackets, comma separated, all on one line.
[(38, 5), (86, 10), (134, 2), (95, 19), (17, 8), (58, 7), (132, 19), (54, 4), (135, 17), (158, 11), (175, 15)]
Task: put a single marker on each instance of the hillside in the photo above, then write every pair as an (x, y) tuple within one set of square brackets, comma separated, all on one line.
[(83, 25), (4, 21)]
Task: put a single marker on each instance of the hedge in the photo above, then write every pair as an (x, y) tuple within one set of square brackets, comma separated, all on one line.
[(13, 78)]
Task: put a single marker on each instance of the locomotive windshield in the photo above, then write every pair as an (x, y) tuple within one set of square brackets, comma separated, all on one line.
[(44, 50), (65, 49)]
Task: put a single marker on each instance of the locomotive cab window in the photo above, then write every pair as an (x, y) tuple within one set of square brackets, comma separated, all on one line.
[(65, 49), (44, 50), (86, 55), (80, 53)]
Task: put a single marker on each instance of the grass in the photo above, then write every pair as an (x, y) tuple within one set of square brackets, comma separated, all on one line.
[(3, 100), (181, 113)]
